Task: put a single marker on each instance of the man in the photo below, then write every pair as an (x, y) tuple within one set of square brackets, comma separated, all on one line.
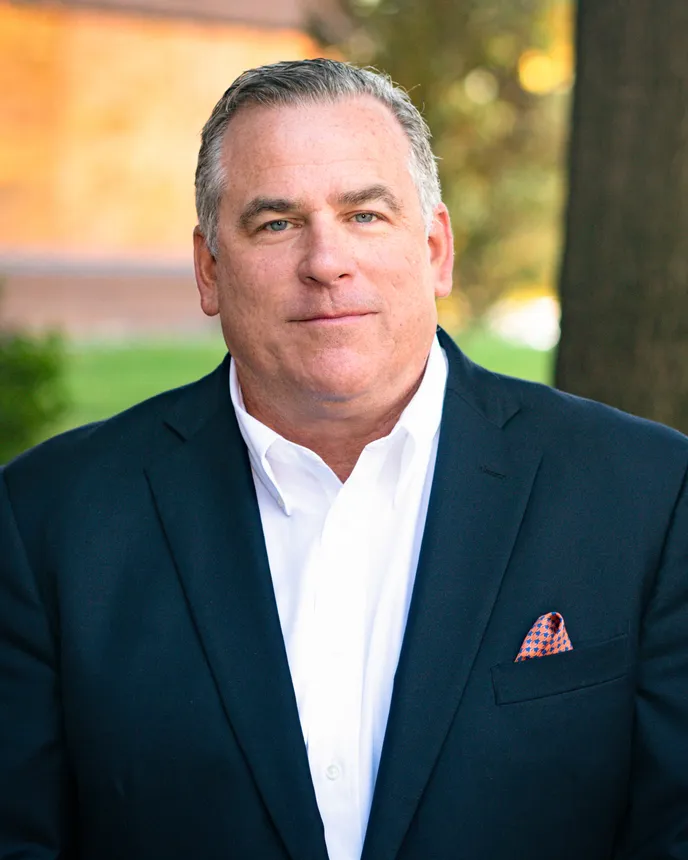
[(281, 613)]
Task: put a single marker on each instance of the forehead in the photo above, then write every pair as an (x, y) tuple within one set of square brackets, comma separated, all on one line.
[(315, 145)]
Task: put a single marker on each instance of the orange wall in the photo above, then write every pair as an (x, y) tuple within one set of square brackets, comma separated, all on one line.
[(100, 119)]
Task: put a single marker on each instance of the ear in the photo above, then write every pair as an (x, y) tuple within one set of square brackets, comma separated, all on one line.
[(441, 248), (205, 268)]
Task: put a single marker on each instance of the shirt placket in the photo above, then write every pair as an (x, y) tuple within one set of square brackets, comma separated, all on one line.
[(338, 649)]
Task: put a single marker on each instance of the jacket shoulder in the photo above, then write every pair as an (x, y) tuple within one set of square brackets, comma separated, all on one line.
[(569, 413), (122, 442), (546, 414)]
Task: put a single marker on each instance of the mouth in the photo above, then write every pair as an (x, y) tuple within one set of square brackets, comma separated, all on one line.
[(334, 319)]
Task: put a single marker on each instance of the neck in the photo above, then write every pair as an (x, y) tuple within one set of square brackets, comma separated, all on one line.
[(336, 431)]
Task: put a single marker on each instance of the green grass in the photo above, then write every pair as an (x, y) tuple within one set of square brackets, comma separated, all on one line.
[(105, 379), (504, 357)]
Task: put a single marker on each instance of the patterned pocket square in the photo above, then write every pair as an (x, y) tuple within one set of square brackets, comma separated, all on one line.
[(547, 636)]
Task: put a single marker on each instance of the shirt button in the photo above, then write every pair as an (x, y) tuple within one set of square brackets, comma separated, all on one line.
[(332, 772)]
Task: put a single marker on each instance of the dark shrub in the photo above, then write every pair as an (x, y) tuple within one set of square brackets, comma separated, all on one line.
[(32, 394)]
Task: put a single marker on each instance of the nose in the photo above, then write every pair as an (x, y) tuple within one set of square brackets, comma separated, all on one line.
[(327, 255)]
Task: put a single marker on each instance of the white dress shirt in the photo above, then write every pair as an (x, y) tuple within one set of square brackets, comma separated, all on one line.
[(343, 559)]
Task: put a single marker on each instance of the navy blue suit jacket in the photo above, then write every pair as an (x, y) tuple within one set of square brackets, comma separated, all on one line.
[(146, 707)]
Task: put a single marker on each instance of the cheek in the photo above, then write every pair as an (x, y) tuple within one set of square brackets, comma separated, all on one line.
[(411, 303), (408, 278), (247, 286), (254, 302), (240, 307)]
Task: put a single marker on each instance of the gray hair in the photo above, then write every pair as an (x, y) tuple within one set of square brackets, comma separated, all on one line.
[(301, 82)]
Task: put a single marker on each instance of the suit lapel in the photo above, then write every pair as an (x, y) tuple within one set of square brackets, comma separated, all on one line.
[(483, 477), (204, 493)]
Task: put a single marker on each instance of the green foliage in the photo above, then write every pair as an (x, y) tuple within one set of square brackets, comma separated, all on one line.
[(498, 145), (32, 396)]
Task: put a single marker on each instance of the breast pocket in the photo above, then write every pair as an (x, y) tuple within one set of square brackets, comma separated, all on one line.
[(583, 667)]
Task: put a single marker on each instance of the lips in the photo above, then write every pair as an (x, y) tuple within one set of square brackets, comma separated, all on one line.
[(332, 317)]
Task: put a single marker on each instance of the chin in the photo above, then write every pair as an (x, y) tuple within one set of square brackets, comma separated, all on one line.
[(341, 372), (339, 387), (337, 392)]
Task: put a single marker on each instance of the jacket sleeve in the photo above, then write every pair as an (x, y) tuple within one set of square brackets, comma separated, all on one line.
[(34, 782), (656, 826)]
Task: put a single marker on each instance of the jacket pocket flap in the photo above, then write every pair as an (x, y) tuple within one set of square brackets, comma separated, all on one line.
[(561, 673)]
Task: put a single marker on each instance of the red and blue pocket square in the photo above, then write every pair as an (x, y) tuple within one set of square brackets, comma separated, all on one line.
[(547, 636)]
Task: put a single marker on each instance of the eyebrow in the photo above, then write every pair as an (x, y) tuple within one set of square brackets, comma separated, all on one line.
[(281, 205), (368, 195), (265, 204)]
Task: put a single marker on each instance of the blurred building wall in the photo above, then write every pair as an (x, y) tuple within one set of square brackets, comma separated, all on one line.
[(101, 112)]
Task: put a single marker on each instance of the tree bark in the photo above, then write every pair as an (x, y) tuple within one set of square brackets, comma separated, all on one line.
[(624, 273)]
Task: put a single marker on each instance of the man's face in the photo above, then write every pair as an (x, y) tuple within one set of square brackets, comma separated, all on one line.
[(325, 277)]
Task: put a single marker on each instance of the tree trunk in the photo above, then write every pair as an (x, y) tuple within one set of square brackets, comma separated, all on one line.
[(624, 275)]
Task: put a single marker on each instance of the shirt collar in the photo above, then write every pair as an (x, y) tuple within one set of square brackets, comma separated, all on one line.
[(418, 423), (421, 419), (258, 438), (422, 416)]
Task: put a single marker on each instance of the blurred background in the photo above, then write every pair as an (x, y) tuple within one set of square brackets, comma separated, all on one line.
[(101, 107)]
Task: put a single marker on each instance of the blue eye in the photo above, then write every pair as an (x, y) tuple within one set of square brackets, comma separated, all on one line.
[(278, 226), (365, 217)]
